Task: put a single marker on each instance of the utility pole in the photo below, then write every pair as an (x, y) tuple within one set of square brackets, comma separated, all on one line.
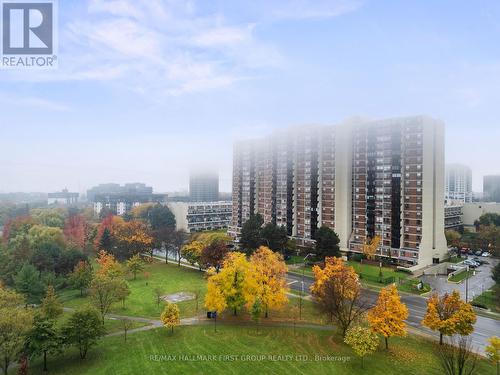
[(302, 284), (467, 285)]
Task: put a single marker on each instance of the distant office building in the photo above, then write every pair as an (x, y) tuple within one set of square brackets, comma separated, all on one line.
[(453, 217), (362, 179), (199, 216), (473, 211), (121, 199), (204, 187), (458, 183), (63, 198), (491, 188)]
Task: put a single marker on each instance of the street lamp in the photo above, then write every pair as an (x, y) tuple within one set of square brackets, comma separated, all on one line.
[(302, 285), (467, 285)]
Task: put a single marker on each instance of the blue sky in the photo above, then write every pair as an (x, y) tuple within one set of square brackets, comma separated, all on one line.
[(146, 89)]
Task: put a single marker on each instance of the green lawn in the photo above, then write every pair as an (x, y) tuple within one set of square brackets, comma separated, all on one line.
[(111, 325), (461, 276), (142, 301), (245, 350), (489, 300), (294, 259)]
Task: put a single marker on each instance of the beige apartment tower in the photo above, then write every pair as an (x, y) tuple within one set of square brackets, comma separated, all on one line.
[(361, 178)]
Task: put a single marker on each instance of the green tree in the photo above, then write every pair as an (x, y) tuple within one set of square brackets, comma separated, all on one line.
[(274, 237), (135, 265), (81, 277), (27, 282), (46, 256), (327, 243), (106, 241), (122, 292), (362, 340), (256, 311), (43, 339), (51, 307), (49, 217), (104, 291), (250, 233), (83, 330), (15, 323)]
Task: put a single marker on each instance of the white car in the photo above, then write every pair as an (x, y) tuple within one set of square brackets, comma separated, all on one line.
[(485, 254)]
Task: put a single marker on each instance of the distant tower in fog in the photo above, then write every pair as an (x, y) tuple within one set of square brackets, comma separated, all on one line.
[(204, 186), (458, 183)]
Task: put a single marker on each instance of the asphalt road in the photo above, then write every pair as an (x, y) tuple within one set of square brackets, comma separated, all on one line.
[(483, 329)]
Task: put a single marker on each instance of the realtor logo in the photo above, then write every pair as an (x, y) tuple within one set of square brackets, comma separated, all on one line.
[(28, 34)]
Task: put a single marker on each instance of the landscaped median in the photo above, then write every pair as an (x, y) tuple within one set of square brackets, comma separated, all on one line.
[(460, 275)]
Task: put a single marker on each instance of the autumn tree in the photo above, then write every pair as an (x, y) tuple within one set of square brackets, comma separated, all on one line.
[(362, 340), (493, 351), (449, 315), (49, 217), (233, 286), (269, 274), (108, 265), (388, 316), (135, 265), (74, 230), (213, 254), (192, 252), (43, 339), (170, 317), (51, 306), (83, 329), (15, 323), (132, 238), (371, 246), (338, 292), (81, 277), (158, 293)]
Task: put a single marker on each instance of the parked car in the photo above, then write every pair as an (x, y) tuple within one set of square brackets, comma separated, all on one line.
[(471, 263), (478, 260), (485, 254), (478, 253)]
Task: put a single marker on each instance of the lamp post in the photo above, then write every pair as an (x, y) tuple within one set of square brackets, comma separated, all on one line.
[(302, 285), (467, 285)]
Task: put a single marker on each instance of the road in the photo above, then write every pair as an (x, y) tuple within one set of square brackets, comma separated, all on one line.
[(483, 329)]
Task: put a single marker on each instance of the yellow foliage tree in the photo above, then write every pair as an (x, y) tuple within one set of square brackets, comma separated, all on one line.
[(370, 248), (493, 351), (388, 315), (234, 284), (269, 272), (108, 265), (192, 252), (170, 317), (449, 315)]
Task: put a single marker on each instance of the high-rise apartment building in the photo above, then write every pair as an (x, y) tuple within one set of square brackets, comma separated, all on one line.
[(458, 184), (362, 179), (204, 187), (491, 188)]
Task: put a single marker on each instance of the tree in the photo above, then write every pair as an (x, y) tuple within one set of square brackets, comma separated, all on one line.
[(338, 292), (15, 323), (81, 277), (135, 265), (75, 229), (274, 236), (493, 351), (388, 316), (370, 248), (40, 235), (132, 238), (452, 237), (43, 339), (449, 315), (83, 330), (46, 256), (51, 307), (213, 254), (158, 295), (127, 324), (192, 252), (457, 357), (104, 291), (106, 241), (362, 340), (250, 233), (27, 282), (256, 311), (170, 316), (108, 266), (233, 286), (49, 217), (269, 272), (327, 243), (122, 291), (177, 239)]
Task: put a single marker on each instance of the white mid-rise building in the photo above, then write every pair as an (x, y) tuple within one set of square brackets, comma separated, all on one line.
[(458, 183), (199, 216)]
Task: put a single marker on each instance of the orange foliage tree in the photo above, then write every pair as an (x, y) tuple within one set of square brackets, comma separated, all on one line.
[(389, 314)]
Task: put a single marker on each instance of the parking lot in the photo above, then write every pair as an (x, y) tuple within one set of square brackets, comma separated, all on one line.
[(477, 284)]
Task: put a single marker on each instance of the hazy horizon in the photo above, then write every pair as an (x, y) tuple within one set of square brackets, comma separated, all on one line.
[(147, 89)]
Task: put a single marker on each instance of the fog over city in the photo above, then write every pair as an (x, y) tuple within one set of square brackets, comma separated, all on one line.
[(146, 90)]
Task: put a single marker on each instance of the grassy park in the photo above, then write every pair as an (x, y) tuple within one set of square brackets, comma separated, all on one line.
[(487, 300), (189, 348)]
